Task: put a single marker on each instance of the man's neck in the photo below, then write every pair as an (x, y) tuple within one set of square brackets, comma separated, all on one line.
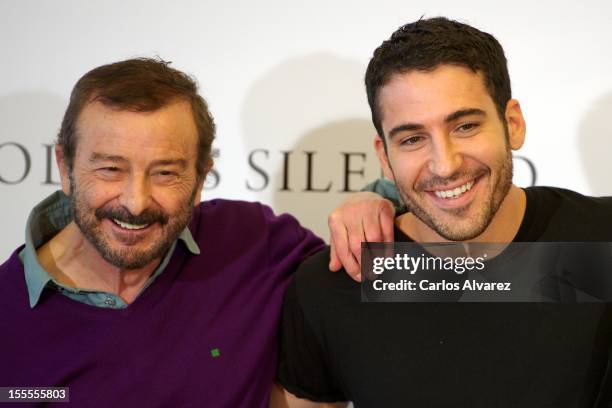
[(72, 261), (502, 229)]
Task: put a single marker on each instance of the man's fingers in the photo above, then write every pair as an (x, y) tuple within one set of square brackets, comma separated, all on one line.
[(334, 260), (372, 228), (344, 244), (352, 268), (341, 253), (343, 256), (349, 262), (387, 221), (348, 258), (364, 217), (355, 237)]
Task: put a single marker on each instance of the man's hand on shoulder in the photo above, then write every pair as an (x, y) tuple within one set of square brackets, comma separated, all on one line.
[(363, 216), (281, 398)]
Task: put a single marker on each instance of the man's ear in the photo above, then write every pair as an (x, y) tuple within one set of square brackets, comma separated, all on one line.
[(63, 169), (516, 124), (198, 195), (381, 152)]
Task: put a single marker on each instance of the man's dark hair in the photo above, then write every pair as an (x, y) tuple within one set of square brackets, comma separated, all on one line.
[(138, 85), (426, 44)]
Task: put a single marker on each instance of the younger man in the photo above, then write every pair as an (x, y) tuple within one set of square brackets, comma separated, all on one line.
[(439, 92)]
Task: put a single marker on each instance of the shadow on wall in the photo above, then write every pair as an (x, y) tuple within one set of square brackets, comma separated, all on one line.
[(30, 122), (595, 144), (344, 162), (307, 120), (28, 173)]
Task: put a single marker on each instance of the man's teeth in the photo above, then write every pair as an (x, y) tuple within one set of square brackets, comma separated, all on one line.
[(456, 192), (130, 226)]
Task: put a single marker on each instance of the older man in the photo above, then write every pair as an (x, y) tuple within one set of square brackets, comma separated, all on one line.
[(128, 290)]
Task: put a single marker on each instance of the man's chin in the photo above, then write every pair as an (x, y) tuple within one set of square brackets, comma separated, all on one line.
[(131, 260), (134, 256), (458, 224), (458, 234)]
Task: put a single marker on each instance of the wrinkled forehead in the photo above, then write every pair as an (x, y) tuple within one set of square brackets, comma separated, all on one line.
[(169, 129)]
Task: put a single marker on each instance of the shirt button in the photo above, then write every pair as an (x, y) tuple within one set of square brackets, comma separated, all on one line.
[(110, 301)]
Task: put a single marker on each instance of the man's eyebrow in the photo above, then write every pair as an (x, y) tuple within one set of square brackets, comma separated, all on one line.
[(406, 127), (98, 157), (169, 162), (411, 127), (464, 112)]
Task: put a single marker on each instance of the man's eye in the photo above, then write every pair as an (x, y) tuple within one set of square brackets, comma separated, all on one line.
[(109, 173), (412, 140), (166, 175), (466, 127)]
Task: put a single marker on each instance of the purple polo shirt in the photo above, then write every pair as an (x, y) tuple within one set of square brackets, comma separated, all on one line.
[(202, 335)]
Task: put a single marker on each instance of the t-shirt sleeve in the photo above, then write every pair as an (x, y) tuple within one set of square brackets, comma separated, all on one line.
[(304, 367)]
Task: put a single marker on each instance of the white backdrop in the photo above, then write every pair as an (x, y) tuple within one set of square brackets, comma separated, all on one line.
[(283, 77)]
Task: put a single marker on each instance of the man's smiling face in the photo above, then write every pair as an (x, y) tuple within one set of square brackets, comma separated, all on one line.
[(446, 148), (134, 181)]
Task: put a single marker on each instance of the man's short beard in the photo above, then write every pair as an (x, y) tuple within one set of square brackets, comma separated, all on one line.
[(485, 215), (88, 220)]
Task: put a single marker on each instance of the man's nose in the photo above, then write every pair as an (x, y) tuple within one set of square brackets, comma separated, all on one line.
[(445, 157), (136, 195)]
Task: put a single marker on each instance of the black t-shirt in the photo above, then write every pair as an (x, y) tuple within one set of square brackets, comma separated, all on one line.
[(335, 348)]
